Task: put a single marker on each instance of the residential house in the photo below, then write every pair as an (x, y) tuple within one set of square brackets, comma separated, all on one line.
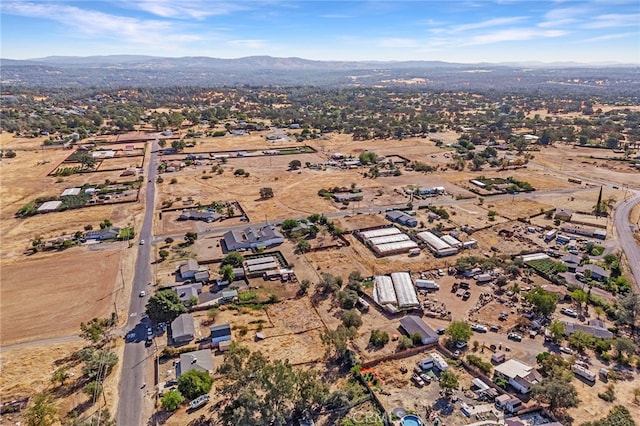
[(186, 292), (340, 197), (401, 218), (521, 376), (197, 360), (253, 237), (220, 333), (182, 329), (597, 272), (205, 216), (508, 403), (571, 261), (108, 233), (563, 214), (189, 268), (201, 276), (229, 296), (594, 327), (413, 324)]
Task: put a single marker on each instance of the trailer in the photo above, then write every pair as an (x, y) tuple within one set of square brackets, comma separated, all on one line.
[(427, 285), (583, 372), (549, 236)]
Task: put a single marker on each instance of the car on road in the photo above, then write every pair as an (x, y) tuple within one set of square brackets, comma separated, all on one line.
[(148, 342), (569, 312), (149, 331), (142, 293), (141, 242), (440, 331), (479, 328), (514, 336), (566, 350)]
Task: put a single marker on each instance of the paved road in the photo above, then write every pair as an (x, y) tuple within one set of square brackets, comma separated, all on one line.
[(625, 236), (130, 405)]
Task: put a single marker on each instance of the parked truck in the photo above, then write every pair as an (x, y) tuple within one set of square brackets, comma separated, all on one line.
[(427, 285)]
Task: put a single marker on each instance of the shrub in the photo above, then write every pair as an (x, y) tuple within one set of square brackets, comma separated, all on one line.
[(378, 338)]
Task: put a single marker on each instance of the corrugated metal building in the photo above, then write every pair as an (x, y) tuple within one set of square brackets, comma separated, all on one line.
[(383, 292), (374, 233), (405, 291)]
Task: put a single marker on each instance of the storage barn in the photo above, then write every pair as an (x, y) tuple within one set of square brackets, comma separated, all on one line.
[(383, 292), (405, 291)]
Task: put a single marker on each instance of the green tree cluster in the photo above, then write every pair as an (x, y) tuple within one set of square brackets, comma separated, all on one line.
[(165, 306), (258, 391)]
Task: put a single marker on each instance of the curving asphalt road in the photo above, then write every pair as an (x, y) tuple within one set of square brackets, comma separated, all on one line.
[(131, 392), (625, 231)]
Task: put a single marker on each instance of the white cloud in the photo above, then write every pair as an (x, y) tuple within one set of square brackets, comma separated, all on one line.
[(183, 9), (614, 20), (514, 34), (565, 13), (557, 23), (610, 37), (94, 23), (495, 22), (249, 44)]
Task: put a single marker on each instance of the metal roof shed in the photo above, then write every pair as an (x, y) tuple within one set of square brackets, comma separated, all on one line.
[(405, 292), (380, 232), (383, 292)]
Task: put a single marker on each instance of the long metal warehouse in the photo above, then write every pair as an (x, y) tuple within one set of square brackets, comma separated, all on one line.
[(405, 291), (389, 239), (380, 232), (451, 241), (433, 241), (396, 247), (383, 292), (262, 267), (259, 260)]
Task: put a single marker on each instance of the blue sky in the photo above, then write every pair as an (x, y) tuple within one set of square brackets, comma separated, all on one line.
[(592, 31)]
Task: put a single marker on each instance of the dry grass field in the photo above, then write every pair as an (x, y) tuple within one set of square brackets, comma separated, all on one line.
[(49, 296), (28, 370)]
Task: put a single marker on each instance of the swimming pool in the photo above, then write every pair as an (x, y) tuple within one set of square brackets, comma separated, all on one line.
[(410, 420)]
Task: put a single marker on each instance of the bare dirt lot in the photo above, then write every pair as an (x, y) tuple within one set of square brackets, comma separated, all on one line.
[(81, 285)]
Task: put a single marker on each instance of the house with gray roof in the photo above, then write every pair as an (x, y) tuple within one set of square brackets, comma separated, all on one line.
[(205, 216), (108, 233), (197, 360), (597, 272), (594, 327), (186, 292), (412, 324), (189, 268), (182, 329), (220, 333), (251, 237), (571, 261)]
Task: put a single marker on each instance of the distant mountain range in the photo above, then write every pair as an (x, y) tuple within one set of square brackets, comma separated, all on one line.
[(278, 63), (139, 70)]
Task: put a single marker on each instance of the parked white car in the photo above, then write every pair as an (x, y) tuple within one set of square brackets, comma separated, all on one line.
[(566, 350), (479, 328), (569, 312)]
